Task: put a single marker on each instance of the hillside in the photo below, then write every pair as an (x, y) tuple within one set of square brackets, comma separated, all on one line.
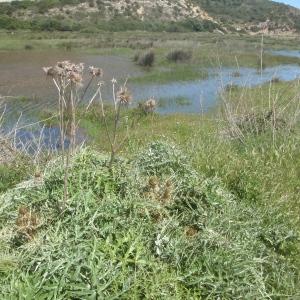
[(254, 15), (162, 15)]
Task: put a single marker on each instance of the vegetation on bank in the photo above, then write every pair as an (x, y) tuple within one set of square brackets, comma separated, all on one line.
[(217, 217), (13, 173), (118, 24), (220, 220)]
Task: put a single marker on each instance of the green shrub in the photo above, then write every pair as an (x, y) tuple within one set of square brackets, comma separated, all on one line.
[(147, 59), (11, 23), (11, 174)]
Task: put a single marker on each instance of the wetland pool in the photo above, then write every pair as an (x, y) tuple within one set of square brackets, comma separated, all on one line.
[(21, 76)]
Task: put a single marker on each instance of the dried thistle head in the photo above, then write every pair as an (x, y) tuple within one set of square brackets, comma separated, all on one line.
[(153, 182), (67, 70), (49, 71), (168, 183), (190, 231), (79, 68), (150, 105), (22, 211), (38, 175), (75, 77), (27, 222), (55, 71), (166, 195), (124, 96), (64, 64), (96, 72)]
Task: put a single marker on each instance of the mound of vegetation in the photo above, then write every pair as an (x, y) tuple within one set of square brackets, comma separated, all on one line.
[(145, 60), (150, 227), (179, 56)]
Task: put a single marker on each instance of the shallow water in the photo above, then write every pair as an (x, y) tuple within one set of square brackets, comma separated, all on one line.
[(204, 94), (289, 53), (21, 75)]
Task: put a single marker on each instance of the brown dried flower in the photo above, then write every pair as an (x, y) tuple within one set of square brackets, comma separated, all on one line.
[(150, 105), (66, 69), (75, 77), (27, 222), (55, 71), (124, 96), (96, 72), (168, 191), (153, 182), (191, 231)]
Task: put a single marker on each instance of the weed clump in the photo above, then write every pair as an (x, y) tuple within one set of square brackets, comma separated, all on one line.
[(258, 123), (145, 60), (28, 47), (179, 56), (190, 237), (161, 158), (275, 80)]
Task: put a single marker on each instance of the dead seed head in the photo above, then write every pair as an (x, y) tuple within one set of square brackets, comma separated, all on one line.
[(66, 70), (96, 72), (75, 77), (124, 96), (27, 222), (167, 193), (53, 71), (150, 105), (153, 182), (191, 231)]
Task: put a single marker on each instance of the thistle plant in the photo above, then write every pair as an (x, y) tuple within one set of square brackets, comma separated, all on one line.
[(68, 80), (121, 100)]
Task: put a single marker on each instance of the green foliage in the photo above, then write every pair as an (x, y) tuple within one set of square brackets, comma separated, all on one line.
[(118, 237), (11, 23), (54, 24), (161, 158), (11, 174)]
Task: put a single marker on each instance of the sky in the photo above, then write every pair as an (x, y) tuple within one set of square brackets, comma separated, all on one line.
[(295, 3)]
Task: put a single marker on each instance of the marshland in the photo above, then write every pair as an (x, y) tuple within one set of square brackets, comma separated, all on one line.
[(149, 165)]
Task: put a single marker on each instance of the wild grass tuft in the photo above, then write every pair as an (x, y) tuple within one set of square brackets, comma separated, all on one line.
[(145, 60), (179, 56)]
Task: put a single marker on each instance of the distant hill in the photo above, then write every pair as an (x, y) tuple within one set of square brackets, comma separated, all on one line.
[(253, 15), (249, 16)]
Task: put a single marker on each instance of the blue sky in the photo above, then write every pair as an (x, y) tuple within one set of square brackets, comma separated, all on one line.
[(295, 3)]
